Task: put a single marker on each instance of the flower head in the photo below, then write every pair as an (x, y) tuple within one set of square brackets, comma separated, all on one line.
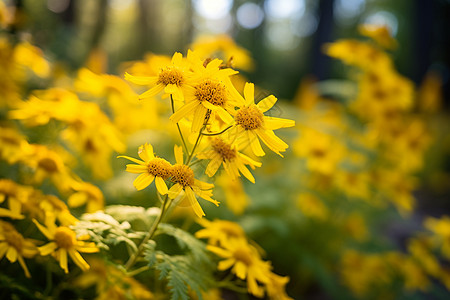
[(151, 168), (63, 242), (184, 180), (223, 152), (253, 125), (15, 246), (172, 79)]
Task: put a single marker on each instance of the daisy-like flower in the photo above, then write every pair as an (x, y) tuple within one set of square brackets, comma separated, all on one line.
[(183, 178), (172, 79), (211, 91), (15, 246), (219, 232), (252, 124), (246, 264), (224, 153), (63, 242), (151, 168)]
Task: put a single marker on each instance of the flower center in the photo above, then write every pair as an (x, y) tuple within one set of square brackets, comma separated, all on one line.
[(250, 117), (243, 256), (160, 167), (14, 238), (212, 91), (65, 237), (223, 149), (170, 75), (48, 165), (183, 175)]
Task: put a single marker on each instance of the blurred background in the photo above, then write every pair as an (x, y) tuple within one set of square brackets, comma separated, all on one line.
[(285, 37)]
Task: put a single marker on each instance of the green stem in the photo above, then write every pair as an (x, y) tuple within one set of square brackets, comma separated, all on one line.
[(178, 126), (217, 133), (133, 258), (199, 137)]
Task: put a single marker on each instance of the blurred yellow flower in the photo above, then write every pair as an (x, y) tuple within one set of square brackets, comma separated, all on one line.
[(380, 34), (63, 242), (245, 262), (15, 246), (219, 232)]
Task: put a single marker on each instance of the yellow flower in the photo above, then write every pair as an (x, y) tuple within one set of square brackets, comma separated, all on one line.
[(111, 283), (441, 229), (151, 168), (32, 57), (218, 232), (13, 146), (183, 179), (15, 246), (63, 242), (360, 54), (322, 151), (236, 198), (225, 153), (245, 262), (421, 250), (86, 193), (252, 124), (207, 46), (276, 287), (16, 196), (312, 207), (380, 34), (172, 79), (210, 91)]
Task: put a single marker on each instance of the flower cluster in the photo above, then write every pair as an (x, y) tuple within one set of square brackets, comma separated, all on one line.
[(203, 95)]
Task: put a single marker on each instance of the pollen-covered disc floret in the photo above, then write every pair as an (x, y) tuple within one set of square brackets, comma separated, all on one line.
[(250, 117), (212, 91), (183, 175), (65, 237), (160, 167), (170, 75), (225, 150)]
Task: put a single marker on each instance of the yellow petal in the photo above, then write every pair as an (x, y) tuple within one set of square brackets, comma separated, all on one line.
[(178, 151), (136, 169), (24, 267), (254, 144), (199, 118), (140, 80), (78, 260), (44, 230), (273, 123), (175, 190), (225, 264), (140, 162), (146, 152), (161, 185), (143, 181), (267, 103), (184, 111), (63, 260), (212, 167), (249, 93), (240, 270), (194, 203), (11, 254), (77, 199), (47, 249), (152, 92)]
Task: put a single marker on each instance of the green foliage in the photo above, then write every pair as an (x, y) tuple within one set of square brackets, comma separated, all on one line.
[(106, 231), (191, 270)]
